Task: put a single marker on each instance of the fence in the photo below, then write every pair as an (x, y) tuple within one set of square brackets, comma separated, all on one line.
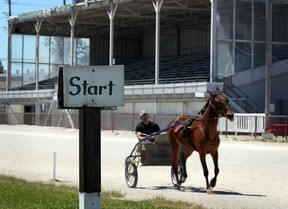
[(64, 119), (242, 124), (252, 124)]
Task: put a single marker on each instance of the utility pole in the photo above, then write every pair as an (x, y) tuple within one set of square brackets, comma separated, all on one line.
[(268, 61), (10, 12)]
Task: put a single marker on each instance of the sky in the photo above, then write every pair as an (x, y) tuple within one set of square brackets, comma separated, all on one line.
[(19, 7)]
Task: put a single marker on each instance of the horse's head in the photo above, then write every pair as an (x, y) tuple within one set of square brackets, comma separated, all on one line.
[(220, 104)]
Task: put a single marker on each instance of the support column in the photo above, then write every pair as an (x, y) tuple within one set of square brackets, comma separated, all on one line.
[(37, 105), (157, 6), (72, 21), (111, 14), (213, 41), (37, 29), (268, 61), (8, 71)]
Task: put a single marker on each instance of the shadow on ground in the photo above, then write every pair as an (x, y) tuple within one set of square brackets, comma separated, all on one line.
[(202, 190)]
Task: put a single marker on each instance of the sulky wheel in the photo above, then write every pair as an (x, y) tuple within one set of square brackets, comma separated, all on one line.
[(180, 172), (131, 174)]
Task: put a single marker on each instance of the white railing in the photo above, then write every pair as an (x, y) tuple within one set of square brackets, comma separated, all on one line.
[(173, 88), (27, 94), (243, 123)]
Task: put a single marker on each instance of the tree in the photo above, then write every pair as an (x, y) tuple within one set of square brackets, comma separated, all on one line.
[(58, 47), (1, 68)]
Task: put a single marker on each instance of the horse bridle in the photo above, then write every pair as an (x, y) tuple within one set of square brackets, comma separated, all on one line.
[(219, 106)]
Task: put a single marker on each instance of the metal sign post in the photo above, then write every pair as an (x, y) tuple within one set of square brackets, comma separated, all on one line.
[(88, 88), (90, 158)]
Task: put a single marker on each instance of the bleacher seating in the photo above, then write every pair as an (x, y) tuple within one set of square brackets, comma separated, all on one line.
[(189, 67)]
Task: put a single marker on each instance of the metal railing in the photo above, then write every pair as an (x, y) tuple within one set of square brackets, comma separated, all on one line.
[(26, 95), (172, 88), (241, 98), (249, 124)]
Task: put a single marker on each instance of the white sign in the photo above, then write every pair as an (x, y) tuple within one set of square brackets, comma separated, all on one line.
[(93, 86)]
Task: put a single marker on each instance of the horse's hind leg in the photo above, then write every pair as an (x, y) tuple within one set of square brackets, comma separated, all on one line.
[(183, 158), (175, 153)]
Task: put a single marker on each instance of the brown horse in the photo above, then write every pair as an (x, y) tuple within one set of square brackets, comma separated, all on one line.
[(200, 134)]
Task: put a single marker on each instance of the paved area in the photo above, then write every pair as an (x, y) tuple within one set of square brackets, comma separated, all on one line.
[(252, 174)]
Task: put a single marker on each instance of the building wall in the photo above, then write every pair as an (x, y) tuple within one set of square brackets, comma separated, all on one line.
[(240, 35), (252, 82), (240, 48)]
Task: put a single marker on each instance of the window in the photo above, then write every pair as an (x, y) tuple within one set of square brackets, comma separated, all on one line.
[(225, 19), (16, 52), (225, 62), (44, 42), (242, 56), (29, 49), (53, 51), (243, 20)]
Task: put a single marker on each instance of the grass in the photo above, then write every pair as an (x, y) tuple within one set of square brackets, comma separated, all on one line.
[(18, 194), (276, 140), (252, 138)]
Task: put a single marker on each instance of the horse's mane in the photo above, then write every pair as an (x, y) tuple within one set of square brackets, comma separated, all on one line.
[(201, 112)]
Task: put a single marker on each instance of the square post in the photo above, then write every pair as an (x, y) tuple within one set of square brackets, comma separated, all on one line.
[(90, 157)]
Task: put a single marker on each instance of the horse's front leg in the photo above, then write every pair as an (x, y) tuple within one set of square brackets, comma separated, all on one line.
[(205, 172), (216, 168)]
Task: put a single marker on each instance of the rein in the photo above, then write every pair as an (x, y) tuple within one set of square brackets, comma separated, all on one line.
[(197, 118), (219, 109), (214, 105)]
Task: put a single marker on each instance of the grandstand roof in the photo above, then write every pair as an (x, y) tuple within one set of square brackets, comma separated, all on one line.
[(131, 16)]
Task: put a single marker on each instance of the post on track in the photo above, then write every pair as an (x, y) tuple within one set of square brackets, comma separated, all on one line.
[(90, 158)]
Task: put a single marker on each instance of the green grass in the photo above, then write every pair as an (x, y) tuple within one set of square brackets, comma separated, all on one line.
[(276, 140), (258, 138), (19, 194)]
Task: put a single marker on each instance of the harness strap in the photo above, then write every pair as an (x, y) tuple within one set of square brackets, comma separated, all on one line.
[(202, 131), (187, 138)]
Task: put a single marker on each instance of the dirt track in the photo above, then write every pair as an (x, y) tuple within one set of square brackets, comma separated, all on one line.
[(252, 174)]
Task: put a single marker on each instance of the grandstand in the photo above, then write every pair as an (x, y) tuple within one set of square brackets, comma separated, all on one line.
[(176, 68), (200, 47)]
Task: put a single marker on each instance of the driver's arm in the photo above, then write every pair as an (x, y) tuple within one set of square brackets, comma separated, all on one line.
[(140, 135)]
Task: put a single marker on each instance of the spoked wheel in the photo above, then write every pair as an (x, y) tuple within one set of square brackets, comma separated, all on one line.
[(180, 172), (131, 173)]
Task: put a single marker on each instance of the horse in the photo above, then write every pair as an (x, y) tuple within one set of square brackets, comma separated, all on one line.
[(198, 134)]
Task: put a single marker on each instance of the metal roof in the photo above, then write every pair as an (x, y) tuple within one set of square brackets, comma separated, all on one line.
[(131, 16)]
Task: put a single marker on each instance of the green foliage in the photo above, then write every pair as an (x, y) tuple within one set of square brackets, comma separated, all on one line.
[(1, 68), (19, 194)]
